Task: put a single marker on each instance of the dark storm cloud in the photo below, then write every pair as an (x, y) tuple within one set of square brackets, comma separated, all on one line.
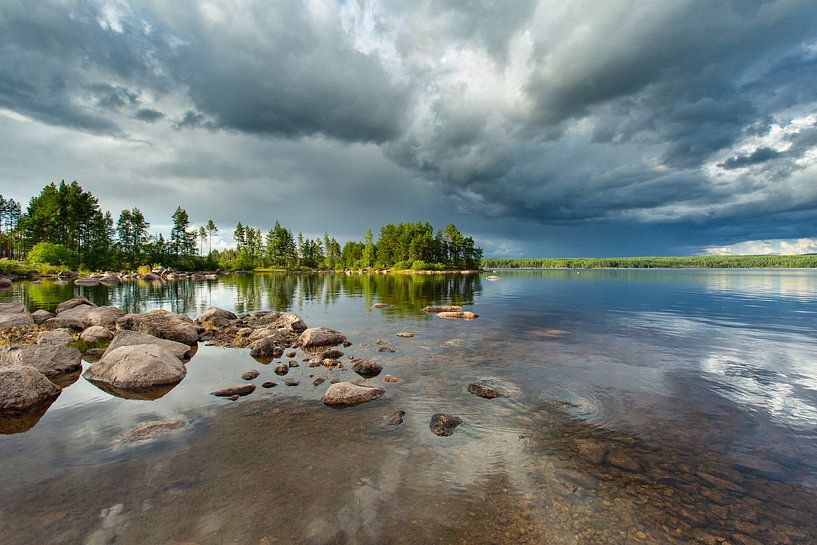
[(760, 155)]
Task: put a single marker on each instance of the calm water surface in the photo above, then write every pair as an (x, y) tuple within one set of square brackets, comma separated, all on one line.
[(647, 407)]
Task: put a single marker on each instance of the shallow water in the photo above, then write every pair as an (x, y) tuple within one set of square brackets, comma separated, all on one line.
[(646, 407)]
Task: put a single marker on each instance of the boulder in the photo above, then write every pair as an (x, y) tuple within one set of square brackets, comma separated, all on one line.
[(86, 282), (14, 315), (96, 334), (72, 318), (137, 367), (104, 316), (23, 387), (162, 324), (444, 308), (215, 317), (241, 390), (5, 283), (74, 302), (458, 315), (346, 394), (317, 337), (48, 359), (367, 368), (67, 275), (267, 347), (444, 424), (56, 337), (133, 338), (40, 316)]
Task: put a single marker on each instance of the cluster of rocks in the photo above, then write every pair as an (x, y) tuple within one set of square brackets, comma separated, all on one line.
[(451, 312)]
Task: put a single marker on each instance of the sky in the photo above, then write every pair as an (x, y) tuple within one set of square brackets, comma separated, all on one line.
[(541, 128)]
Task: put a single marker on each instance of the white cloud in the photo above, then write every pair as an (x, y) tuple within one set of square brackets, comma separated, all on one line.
[(767, 247)]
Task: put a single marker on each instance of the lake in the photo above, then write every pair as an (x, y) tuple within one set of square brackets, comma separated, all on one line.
[(645, 406)]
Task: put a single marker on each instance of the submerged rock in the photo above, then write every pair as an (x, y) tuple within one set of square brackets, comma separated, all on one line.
[(487, 391), (48, 359), (444, 424), (590, 450), (56, 337), (150, 431), (161, 324), (367, 368), (346, 394), (395, 419), (14, 315), (317, 337), (137, 367), (240, 390), (133, 338), (23, 388)]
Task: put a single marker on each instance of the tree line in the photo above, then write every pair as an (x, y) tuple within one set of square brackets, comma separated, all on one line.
[(64, 225), (661, 262)]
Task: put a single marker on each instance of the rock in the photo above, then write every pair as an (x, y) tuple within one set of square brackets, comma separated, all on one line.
[(70, 317), (137, 367), (346, 394), (50, 360), (622, 460), (293, 363), (458, 315), (381, 305), (5, 283), (282, 320), (386, 349), (367, 368), (346, 344), (86, 282), (268, 347), (317, 337), (215, 317), (242, 390), (331, 353), (104, 316), (150, 431), (40, 316), (93, 354), (74, 302), (291, 354), (233, 397), (67, 274), (96, 334), (250, 375), (318, 381), (291, 381), (133, 338), (151, 277), (404, 334), (282, 369), (395, 419), (14, 315), (161, 324), (390, 378), (56, 337), (279, 336), (329, 362), (493, 277), (268, 384), (590, 450), (444, 308), (23, 387), (444, 424), (487, 391)]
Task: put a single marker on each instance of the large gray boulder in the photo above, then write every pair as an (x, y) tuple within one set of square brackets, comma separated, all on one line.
[(277, 320), (13, 315), (48, 359), (162, 324), (138, 367), (56, 337), (74, 302), (104, 316), (347, 394), (23, 387), (40, 316), (317, 337), (215, 317), (96, 334), (133, 338)]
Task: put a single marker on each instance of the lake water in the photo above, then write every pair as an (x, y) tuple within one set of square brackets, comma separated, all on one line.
[(647, 407)]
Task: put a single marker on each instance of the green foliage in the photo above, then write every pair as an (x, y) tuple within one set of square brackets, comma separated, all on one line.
[(48, 253), (685, 262), (132, 235)]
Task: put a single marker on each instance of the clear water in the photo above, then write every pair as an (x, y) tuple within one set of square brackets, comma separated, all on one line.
[(698, 388)]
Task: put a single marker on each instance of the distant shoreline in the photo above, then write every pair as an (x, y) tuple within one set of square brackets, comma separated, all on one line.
[(657, 262)]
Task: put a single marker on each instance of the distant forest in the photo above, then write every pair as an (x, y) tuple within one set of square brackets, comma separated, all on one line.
[(686, 262), (65, 226)]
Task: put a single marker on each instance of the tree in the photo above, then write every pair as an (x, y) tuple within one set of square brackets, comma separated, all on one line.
[(238, 235), (202, 238), (368, 255), (182, 242), (211, 228), (132, 235)]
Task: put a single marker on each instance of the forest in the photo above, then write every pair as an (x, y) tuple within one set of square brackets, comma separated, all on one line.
[(682, 262), (64, 226)]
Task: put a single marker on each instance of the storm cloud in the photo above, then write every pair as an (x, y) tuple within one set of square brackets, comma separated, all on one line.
[(692, 123)]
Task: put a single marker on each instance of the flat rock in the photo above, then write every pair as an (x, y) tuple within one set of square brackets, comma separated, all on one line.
[(14, 315), (50, 360), (317, 337), (23, 387), (96, 334), (381, 305), (74, 302), (444, 424), (240, 390), (318, 381), (250, 375), (161, 324), (137, 367), (367, 368), (150, 431), (443, 308), (346, 394), (133, 338), (40, 316), (56, 337), (458, 315), (215, 317), (404, 334)]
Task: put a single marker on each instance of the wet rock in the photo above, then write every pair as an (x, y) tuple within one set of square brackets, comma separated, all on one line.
[(215, 317), (56, 337), (291, 354), (291, 381), (487, 391), (50, 360), (317, 337), (395, 419), (250, 375), (132, 338), (390, 378), (23, 387), (268, 347), (367, 368), (161, 324), (404, 334), (74, 302), (458, 315), (14, 315), (240, 390), (443, 308), (268, 384), (318, 381), (96, 334), (137, 367), (282, 369), (346, 394), (444, 424), (150, 431), (40, 316)]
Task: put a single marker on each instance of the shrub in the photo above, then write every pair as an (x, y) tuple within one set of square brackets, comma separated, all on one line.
[(48, 253)]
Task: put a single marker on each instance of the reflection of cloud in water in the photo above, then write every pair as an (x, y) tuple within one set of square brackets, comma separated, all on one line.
[(801, 285)]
